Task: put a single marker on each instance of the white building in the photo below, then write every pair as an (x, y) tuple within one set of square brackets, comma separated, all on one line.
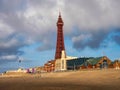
[(60, 64)]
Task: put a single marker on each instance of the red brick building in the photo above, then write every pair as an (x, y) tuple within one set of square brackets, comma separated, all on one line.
[(49, 66), (116, 64)]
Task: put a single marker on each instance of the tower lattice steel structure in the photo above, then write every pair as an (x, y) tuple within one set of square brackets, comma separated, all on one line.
[(60, 38)]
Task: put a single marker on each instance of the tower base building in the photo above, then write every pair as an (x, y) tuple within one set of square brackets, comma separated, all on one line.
[(61, 64)]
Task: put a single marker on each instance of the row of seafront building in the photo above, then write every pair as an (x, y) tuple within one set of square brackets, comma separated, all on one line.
[(81, 63)]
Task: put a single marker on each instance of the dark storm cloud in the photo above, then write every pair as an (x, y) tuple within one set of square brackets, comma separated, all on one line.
[(116, 36), (48, 42), (96, 39), (10, 42), (23, 22), (9, 48), (21, 25), (94, 20), (7, 6), (93, 40), (43, 3), (45, 47)]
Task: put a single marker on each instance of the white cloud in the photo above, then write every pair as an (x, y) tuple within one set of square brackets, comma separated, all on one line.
[(8, 57), (92, 14), (82, 38), (35, 21), (5, 30)]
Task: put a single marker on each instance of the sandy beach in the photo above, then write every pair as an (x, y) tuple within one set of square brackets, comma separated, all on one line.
[(74, 80)]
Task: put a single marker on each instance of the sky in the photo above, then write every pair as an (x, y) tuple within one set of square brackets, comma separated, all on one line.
[(28, 30)]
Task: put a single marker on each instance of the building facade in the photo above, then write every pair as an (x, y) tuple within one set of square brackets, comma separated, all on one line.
[(116, 64), (49, 66), (88, 63)]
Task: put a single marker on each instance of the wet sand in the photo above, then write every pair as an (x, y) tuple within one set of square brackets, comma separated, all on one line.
[(77, 80)]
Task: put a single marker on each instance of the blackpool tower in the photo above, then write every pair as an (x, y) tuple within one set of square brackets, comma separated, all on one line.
[(60, 38)]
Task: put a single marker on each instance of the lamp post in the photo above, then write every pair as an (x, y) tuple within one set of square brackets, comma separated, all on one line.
[(19, 61)]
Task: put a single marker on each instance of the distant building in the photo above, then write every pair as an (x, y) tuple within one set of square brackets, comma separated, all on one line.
[(39, 69), (49, 66), (88, 63), (116, 64), (20, 71)]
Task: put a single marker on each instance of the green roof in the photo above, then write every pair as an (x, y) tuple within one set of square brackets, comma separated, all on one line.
[(94, 61), (84, 61)]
